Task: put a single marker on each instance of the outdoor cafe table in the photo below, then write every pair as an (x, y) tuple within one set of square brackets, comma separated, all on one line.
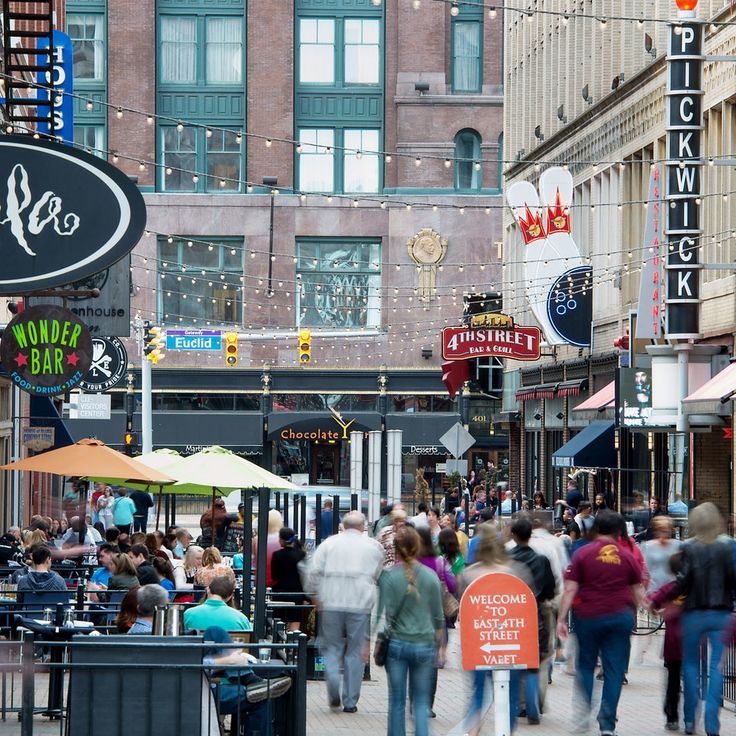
[(47, 631)]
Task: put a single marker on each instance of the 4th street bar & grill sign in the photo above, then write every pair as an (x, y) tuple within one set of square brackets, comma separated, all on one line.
[(684, 126), (461, 343)]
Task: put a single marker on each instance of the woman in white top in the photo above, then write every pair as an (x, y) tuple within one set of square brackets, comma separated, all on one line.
[(104, 507), (657, 552)]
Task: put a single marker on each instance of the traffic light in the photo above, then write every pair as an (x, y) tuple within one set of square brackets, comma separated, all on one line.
[(130, 441), (305, 346), (153, 342), (231, 349)]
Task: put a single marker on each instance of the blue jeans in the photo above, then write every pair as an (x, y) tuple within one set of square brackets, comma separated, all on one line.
[(697, 625), (609, 636), (417, 661), (234, 702), (530, 680)]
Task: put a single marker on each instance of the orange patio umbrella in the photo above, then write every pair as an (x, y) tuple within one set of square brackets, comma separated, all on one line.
[(92, 458)]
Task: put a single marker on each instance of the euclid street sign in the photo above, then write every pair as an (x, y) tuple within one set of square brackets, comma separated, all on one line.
[(193, 340), (520, 343)]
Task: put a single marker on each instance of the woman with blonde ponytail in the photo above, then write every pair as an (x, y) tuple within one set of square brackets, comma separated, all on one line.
[(411, 597)]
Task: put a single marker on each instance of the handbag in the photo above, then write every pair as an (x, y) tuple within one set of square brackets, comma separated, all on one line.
[(380, 652), (450, 605)]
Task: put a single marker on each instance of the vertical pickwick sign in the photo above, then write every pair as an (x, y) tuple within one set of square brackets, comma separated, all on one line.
[(46, 350), (684, 126)]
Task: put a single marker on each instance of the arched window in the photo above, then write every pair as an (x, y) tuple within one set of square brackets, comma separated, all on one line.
[(467, 160)]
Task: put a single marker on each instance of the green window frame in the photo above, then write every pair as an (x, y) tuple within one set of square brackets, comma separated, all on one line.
[(200, 280), (324, 167), (200, 160), (339, 283), (467, 56), (91, 138), (200, 49), (339, 52), (468, 177)]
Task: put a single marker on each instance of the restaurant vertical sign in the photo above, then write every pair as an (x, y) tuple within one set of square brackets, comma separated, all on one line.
[(684, 133), (649, 322)]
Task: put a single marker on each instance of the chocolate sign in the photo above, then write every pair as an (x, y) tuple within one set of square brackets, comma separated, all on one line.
[(64, 215), (46, 350)]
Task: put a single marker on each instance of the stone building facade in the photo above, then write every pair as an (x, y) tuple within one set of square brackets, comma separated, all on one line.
[(589, 93)]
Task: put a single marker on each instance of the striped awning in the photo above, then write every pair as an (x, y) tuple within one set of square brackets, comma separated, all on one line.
[(552, 390), (600, 400)]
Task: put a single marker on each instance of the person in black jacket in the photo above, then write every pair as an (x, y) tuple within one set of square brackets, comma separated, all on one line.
[(544, 587), (287, 582), (144, 570), (708, 582), (143, 502)]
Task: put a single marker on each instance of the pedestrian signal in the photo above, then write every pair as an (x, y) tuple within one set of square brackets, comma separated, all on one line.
[(305, 346)]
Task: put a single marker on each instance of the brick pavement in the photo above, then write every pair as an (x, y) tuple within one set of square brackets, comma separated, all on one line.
[(639, 711)]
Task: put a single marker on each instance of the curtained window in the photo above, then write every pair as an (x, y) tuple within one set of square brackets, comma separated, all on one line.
[(178, 49), (467, 156), (91, 138), (466, 56), (224, 50), (362, 51), (86, 34), (223, 161)]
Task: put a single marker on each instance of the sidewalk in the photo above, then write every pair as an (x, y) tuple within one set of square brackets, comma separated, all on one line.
[(640, 712)]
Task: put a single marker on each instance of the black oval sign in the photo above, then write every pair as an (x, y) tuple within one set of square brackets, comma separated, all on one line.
[(109, 365), (64, 215), (46, 350)]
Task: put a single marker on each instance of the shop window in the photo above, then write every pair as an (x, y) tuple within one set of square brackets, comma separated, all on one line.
[(339, 284), (200, 282)]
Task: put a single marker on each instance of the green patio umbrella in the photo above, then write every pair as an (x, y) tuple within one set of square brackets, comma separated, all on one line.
[(216, 470)]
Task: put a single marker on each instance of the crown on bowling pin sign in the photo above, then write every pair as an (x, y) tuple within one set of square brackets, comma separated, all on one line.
[(532, 227), (558, 217)]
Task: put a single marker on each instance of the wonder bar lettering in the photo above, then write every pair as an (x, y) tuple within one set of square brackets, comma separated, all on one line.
[(64, 215), (46, 350)]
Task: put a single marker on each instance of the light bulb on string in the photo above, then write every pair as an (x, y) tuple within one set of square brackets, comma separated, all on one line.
[(180, 127), (492, 13), (454, 10), (119, 113)]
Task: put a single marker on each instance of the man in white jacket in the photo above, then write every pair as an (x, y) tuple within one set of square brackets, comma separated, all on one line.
[(342, 579)]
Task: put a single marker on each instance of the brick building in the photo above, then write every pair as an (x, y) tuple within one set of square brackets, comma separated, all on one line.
[(589, 92), (288, 152)]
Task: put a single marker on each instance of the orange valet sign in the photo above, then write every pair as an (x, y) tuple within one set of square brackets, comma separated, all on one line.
[(498, 624)]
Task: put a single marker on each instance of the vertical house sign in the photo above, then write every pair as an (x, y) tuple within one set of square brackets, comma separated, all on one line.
[(61, 76), (684, 126)]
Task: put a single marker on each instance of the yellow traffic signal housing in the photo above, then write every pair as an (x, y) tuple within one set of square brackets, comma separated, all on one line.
[(305, 346), (153, 342), (231, 349)]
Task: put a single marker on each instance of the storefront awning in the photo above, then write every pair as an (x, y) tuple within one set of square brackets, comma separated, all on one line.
[(600, 400), (591, 448), (552, 390), (719, 390)]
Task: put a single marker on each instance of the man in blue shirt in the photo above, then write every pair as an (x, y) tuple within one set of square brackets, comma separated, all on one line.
[(326, 520), (101, 576)]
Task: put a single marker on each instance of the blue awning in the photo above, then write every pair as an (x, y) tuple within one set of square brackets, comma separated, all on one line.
[(591, 448), (44, 414)]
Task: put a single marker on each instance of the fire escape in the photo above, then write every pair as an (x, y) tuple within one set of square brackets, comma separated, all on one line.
[(26, 61)]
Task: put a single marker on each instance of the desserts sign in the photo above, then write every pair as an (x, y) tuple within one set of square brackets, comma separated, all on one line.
[(46, 350)]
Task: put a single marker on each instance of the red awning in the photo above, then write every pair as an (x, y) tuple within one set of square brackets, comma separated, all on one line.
[(600, 400), (552, 390), (720, 388)]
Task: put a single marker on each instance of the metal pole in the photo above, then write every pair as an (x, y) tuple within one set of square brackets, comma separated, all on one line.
[(277, 495), (300, 696), (246, 598), (318, 520), (374, 475), (335, 514), (303, 519), (146, 407), (467, 515), (27, 685), (285, 512), (259, 627), (354, 501), (501, 702)]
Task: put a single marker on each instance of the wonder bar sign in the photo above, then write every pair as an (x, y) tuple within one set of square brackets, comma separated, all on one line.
[(684, 126), (46, 350), (519, 343)]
